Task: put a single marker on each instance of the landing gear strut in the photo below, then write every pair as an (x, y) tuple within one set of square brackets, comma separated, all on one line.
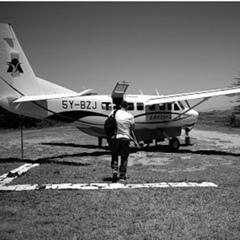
[(187, 137)]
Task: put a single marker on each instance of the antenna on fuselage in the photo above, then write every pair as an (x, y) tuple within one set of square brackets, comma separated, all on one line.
[(157, 92), (140, 91)]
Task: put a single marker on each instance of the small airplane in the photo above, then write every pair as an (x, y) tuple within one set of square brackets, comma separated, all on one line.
[(157, 117)]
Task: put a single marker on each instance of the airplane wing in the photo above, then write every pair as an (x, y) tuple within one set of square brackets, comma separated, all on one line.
[(230, 92), (52, 96)]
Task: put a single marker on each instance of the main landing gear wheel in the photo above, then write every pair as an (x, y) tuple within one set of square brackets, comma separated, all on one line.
[(174, 145)]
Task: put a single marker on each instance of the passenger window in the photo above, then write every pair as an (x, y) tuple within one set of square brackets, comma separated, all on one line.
[(162, 107), (140, 106), (169, 106), (152, 107), (106, 106), (176, 107), (130, 106)]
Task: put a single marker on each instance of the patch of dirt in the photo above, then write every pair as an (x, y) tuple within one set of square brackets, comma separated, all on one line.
[(144, 159)]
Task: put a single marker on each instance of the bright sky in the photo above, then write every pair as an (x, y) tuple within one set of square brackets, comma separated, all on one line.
[(173, 46)]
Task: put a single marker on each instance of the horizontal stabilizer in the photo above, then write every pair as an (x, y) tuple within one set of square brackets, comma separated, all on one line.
[(194, 95), (52, 96)]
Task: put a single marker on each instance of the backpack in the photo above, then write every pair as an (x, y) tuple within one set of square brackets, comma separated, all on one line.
[(110, 125)]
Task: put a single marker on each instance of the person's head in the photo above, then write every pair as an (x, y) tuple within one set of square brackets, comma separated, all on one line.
[(124, 104)]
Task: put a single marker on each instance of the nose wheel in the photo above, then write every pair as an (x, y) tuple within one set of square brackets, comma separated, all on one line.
[(174, 144)]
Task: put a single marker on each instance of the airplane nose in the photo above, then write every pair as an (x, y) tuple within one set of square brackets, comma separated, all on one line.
[(194, 114)]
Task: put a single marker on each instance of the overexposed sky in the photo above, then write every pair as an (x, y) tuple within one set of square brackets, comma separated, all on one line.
[(173, 46)]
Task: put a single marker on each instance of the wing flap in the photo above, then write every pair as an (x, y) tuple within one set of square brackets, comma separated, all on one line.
[(230, 92)]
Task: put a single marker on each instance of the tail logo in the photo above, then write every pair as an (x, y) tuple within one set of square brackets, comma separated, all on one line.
[(15, 67)]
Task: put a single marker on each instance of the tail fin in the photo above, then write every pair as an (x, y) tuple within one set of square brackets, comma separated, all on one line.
[(17, 78)]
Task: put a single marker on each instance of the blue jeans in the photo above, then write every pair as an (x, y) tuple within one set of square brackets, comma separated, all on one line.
[(120, 147)]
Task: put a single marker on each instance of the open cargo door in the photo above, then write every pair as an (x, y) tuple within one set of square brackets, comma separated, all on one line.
[(118, 93)]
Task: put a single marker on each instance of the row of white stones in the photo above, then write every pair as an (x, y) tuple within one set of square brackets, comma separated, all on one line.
[(8, 177)]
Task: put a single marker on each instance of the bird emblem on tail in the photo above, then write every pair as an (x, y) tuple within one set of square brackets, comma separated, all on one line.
[(14, 67)]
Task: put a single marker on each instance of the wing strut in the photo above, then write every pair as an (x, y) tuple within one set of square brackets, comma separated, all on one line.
[(187, 103)]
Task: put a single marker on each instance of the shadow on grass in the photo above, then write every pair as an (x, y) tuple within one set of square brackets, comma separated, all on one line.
[(210, 152), (55, 159), (165, 149), (158, 148), (42, 161), (107, 179), (15, 160), (88, 146)]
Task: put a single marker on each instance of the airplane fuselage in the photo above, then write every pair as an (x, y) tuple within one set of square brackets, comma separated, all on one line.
[(89, 113)]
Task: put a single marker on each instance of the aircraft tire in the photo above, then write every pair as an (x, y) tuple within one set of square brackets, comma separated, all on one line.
[(174, 145)]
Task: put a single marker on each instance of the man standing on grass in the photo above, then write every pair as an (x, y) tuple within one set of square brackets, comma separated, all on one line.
[(121, 142)]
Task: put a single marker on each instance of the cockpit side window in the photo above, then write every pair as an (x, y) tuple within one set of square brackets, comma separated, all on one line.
[(176, 107)]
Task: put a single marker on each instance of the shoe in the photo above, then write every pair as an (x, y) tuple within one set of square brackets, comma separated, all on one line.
[(115, 176), (123, 178)]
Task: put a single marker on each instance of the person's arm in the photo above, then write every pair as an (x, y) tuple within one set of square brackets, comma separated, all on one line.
[(132, 125)]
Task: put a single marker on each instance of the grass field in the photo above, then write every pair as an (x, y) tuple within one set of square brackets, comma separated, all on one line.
[(68, 156)]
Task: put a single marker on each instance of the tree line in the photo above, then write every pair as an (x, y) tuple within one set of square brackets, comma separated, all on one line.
[(10, 120)]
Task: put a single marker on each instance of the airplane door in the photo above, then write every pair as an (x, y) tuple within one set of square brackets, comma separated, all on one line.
[(118, 93)]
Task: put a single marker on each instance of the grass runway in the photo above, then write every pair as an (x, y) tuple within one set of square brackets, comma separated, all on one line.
[(68, 156)]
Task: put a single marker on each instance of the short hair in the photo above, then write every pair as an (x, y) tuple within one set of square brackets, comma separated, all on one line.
[(124, 104)]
